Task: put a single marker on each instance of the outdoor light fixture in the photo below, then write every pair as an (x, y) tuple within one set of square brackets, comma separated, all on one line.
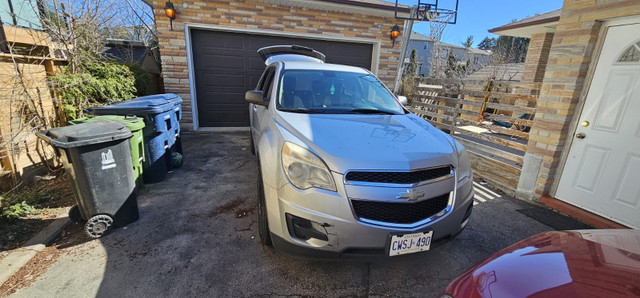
[(395, 32), (171, 12)]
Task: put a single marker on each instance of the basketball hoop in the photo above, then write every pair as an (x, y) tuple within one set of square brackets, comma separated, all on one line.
[(428, 11), (438, 21), (438, 18)]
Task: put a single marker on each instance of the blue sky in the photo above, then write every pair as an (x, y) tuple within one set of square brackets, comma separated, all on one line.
[(475, 17)]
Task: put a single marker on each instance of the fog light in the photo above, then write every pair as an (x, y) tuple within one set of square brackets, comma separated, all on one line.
[(305, 229)]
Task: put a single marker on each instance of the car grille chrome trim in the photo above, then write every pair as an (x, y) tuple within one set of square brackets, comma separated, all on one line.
[(398, 178), (407, 214)]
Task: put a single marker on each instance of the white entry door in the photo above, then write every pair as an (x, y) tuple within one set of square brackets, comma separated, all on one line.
[(602, 173)]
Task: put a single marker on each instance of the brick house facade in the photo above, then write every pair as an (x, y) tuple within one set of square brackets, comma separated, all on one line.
[(564, 51), (340, 20)]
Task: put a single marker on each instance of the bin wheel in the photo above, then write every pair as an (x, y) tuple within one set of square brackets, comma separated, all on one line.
[(74, 214), (176, 160), (98, 225)]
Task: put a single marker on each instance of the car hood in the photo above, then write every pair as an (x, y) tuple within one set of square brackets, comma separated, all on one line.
[(602, 263), (375, 142)]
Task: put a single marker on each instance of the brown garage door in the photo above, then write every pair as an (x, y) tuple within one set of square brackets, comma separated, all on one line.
[(226, 66)]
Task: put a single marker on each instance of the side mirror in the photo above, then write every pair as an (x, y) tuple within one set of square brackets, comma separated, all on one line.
[(403, 100), (255, 97)]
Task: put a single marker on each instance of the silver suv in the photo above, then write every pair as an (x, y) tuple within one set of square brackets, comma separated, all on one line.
[(345, 169)]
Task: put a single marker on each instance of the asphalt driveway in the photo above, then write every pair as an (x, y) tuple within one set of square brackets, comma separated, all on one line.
[(197, 236)]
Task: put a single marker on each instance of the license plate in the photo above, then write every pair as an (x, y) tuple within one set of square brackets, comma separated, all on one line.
[(410, 243)]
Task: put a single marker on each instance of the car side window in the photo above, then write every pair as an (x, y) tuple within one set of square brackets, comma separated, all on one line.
[(262, 79), (268, 83)]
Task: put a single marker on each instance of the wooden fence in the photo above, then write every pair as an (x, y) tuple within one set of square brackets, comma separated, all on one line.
[(491, 119), (27, 102)]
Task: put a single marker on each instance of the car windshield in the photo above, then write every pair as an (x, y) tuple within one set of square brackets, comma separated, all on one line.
[(335, 92)]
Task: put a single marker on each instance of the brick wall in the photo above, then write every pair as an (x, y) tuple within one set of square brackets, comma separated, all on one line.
[(537, 57), (570, 57), (258, 15)]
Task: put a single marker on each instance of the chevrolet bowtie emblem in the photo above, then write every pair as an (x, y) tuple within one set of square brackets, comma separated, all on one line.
[(410, 195)]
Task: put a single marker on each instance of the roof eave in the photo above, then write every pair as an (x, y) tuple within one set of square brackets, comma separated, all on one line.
[(349, 6), (401, 8), (528, 28)]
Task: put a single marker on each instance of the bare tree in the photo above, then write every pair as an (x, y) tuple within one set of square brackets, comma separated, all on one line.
[(72, 36)]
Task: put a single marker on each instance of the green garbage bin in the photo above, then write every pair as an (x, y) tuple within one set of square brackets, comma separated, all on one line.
[(136, 126)]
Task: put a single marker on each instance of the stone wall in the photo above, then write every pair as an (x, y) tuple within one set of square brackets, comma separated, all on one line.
[(537, 57)]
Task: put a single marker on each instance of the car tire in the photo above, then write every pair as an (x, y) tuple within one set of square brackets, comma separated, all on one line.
[(252, 145), (263, 224)]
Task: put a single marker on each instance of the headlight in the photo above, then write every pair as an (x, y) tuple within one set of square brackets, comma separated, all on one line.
[(464, 165), (304, 169)]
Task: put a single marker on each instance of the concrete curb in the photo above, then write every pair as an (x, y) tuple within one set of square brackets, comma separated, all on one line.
[(10, 264)]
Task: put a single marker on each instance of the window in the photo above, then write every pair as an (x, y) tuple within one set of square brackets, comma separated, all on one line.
[(632, 54), (23, 13), (266, 82)]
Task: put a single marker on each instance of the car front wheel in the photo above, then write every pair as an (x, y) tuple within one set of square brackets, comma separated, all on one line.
[(263, 224)]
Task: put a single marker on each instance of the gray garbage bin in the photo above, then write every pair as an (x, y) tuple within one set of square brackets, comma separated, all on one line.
[(97, 158)]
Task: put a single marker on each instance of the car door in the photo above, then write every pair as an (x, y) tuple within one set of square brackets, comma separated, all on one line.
[(257, 111)]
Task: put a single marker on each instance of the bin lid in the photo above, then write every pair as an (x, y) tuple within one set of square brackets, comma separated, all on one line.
[(169, 97), (84, 134), (138, 106), (132, 122)]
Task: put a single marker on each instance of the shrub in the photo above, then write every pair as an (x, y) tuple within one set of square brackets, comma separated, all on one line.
[(18, 210), (407, 82), (143, 79), (23, 202), (97, 83)]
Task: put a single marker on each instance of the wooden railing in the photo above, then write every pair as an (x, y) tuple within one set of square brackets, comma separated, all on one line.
[(491, 119)]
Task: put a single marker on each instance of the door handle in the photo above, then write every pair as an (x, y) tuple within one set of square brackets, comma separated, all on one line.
[(580, 135)]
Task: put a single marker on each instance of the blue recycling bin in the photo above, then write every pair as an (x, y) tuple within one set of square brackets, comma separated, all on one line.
[(161, 114), (177, 116)]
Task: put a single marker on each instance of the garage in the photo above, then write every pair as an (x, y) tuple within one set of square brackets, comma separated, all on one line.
[(209, 54), (226, 65)]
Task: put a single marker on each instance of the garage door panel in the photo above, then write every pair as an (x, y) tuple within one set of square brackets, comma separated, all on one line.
[(255, 63), (222, 40), (229, 118), (223, 61), (226, 65), (223, 98), (253, 81), (222, 80)]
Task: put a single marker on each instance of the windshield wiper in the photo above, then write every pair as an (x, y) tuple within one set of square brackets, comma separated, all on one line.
[(371, 111), (302, 111)]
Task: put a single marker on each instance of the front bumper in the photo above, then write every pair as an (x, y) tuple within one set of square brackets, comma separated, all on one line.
[(331, 213)]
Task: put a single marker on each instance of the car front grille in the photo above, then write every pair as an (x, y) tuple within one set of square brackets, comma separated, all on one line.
[(400, 213), (399, 177)]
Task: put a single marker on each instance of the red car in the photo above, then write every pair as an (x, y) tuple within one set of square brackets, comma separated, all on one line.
[(585, 263)]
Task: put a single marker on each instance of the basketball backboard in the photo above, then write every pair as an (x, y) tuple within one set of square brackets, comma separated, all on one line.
[(441, 11)]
